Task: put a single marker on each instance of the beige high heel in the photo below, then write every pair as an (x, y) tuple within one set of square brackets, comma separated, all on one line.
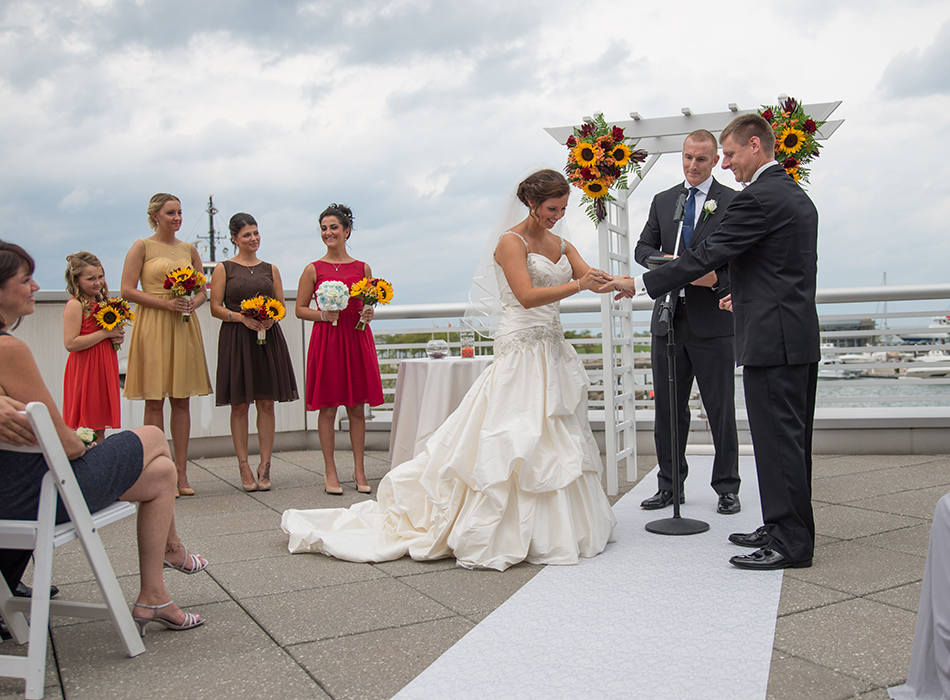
[(263, 480), (338, 491), (360, 488), (248, 487)]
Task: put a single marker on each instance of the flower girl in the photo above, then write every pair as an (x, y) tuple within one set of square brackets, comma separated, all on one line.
[(92, 332)]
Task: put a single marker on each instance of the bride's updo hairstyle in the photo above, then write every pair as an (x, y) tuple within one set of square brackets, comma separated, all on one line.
[(342, 213), (542, 186)]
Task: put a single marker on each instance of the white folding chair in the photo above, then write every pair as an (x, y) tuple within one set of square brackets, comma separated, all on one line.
[(43, 536)]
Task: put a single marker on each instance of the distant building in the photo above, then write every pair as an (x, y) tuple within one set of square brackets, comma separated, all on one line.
[(864, 325)]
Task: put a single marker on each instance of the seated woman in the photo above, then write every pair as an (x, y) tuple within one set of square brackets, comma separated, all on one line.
[(134, 465)]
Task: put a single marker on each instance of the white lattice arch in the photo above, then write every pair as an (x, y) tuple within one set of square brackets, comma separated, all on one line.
[(656, 137)]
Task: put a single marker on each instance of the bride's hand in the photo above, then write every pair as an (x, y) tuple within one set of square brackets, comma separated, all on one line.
[(593, 278)]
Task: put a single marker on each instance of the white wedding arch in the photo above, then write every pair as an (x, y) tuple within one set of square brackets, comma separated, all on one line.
[(655, 136)]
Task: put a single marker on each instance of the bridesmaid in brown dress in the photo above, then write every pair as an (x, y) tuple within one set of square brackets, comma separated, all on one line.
[(248, 371)]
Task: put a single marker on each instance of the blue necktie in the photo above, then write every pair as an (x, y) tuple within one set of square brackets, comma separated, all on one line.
[(689, 216)]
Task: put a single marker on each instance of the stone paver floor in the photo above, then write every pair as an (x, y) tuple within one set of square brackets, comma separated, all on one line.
[(286, 626)]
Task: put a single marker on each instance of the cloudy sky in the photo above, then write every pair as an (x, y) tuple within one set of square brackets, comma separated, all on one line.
[(419, 114)]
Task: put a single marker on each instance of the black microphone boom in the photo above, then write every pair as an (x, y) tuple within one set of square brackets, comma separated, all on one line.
[(680, 207)]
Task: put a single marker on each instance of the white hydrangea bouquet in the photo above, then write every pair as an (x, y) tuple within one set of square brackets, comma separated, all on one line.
[(332, 295)]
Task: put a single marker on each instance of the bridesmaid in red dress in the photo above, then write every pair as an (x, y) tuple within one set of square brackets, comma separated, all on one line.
[(342, 369), (91, 381)]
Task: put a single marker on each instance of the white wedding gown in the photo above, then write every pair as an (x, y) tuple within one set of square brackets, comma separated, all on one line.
[(512, 475)]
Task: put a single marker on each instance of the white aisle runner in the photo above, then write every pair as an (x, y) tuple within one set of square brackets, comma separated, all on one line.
[(654, 617)]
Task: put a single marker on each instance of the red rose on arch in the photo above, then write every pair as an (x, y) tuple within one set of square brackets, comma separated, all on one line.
[(810, 126), (767, 115), (571, 141), (587, 174), (790, 163), (617, 133)]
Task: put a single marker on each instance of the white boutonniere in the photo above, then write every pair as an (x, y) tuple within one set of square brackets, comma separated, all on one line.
[(709, 208)]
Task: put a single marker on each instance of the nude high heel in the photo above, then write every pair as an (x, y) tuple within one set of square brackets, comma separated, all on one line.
[(360, 488), (263, 480), (337, 491), (248, 487)]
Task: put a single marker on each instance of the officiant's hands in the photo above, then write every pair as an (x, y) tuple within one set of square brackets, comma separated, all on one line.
[(726, 303)]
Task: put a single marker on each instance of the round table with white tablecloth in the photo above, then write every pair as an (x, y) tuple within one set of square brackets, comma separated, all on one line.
[(427, 392)]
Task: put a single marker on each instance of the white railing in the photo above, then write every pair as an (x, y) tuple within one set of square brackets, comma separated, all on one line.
[(882, 372)]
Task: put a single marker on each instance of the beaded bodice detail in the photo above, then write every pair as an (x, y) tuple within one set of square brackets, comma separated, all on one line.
[(521, 328)]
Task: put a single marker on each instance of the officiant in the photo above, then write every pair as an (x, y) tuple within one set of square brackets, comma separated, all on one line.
[(703, 332)]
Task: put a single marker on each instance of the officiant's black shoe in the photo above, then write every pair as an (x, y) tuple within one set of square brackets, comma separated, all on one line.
[(728, 504), (24, 591), (755, 540), (767, 559), (661, 499)]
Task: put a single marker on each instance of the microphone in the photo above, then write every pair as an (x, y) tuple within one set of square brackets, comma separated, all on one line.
[(680, 207)]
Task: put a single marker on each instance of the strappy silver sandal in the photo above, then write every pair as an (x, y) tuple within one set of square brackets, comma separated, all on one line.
[(195, 560), (191, 620)]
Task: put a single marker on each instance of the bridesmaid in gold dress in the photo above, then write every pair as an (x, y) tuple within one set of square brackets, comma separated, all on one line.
[(166, 356)]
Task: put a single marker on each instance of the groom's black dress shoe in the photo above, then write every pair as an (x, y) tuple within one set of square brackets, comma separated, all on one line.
[(661, 499), (755, 540), (767, 559), (728, 504), (24, 591)]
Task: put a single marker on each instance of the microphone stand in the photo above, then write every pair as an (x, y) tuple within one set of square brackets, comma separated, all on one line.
[(675, 525)]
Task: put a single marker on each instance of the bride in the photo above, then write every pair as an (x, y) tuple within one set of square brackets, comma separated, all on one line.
[(514, 473)]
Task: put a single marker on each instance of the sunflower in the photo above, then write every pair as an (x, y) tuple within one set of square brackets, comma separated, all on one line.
[(358, 288), (595, 189), (252, 304), (585, 154), (385, 290), (791, 140), (621, 154), (275, 309), (108, 318)]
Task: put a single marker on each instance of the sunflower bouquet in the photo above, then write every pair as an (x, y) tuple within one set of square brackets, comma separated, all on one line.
[(185, 281), (795, 142), (113, 313), (597, 160), (332, 295), (262, 308), (371, 291)]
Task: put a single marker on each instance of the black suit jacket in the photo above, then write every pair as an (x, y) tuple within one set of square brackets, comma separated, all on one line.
[(705, 317), (769, 235)]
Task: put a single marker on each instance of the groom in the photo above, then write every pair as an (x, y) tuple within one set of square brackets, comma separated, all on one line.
[(703, 332), (769, 237)]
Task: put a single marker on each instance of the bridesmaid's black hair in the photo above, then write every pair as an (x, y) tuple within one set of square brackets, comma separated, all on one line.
[(12, 258), (342, 212), (239, 221)]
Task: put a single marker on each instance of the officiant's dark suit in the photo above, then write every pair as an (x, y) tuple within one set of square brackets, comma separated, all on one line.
[(769, 237), (703, 333)]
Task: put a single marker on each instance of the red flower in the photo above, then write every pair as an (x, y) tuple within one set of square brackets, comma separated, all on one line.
[(790, 163), (767, 115), (587, 174), (639, 155), (587, 129), (617, 133), (571, 142), (168, 283), (790, 105), (188, 284), (810, 126)]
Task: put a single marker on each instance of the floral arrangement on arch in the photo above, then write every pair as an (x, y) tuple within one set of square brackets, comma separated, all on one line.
[(795, 142), (262, 308), (598, 160), (114, 312), (371, 291)]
